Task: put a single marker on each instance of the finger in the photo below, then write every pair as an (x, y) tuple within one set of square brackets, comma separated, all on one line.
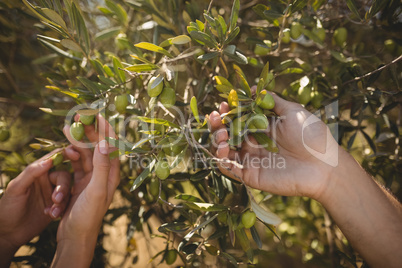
[(114, 177), (85, 158), (71, 154), (101, 167), (224, 107), (62, 180), (215, 121), (29, 175), (253, 90), (281, 105)]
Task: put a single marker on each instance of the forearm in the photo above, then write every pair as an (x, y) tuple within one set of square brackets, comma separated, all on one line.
[(7, 252), (74, 254), (369, 217)]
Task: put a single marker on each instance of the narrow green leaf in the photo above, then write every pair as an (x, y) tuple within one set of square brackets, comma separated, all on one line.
[(194, 109), (107, 81), (157, 121), (107, 33), (81, 28), (237, 57), (121, 76), (72, 45), (144, 174), (234, 15), (272, 14), (298, 5), (56, 18), (206, 206), (230, 258), (352, 6), (200, 175), (265, 141), (154, 48), (264, 214), (232, 35), (68, 93), (138, 68), (220, 80), (376, 7), (351, 140), (256, 237), (242, 80), (58, 50), (55, 112), (189, 198), (118, 10), (370, 141), (292, 71), (209, 56), (222, 22), (177, 227), (203, 39), (181, 40)]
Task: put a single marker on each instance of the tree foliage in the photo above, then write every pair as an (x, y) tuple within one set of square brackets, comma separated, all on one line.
[(156, 68)]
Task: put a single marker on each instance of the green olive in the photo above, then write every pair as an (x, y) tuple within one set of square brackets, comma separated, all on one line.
[(223, 217), (174, 147), (320, 33), (265, 100), (121, 41), (257, 122), (248, 219), (57, 159), (261, 50), (153, 89), (154, 187), (296, 30), (390, 45), (340, 36), (237, 126), (77, 131), (171, 256), (304, 95), (87, 119), (162, 169), (286, 36), (168, 97), (4, 134), (121, 103), (316, 99)]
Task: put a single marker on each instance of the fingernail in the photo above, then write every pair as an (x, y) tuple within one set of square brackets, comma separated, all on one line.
[(56, 212), (45, 162), (103, 147), (59, 197), (46, 211)]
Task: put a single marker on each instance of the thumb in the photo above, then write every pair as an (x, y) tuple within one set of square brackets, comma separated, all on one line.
[(281, 105), (101, 168)]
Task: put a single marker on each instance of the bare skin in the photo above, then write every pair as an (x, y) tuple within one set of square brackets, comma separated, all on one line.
[(368, 215), (96, 178)]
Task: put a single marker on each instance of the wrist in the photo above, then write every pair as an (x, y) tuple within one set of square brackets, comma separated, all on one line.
[(7, 251), (343, 179), (74, 253)]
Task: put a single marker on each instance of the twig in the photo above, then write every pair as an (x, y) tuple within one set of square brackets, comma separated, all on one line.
[(373, 72)]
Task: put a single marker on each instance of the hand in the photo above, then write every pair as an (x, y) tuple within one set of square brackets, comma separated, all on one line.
[(96, 178), (31, 201), (299, 172)]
